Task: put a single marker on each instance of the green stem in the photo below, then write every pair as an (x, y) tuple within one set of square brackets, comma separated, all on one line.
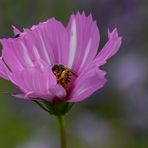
[(62, 132)]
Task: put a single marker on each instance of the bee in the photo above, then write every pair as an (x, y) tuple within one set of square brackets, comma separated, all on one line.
[(63, 74)]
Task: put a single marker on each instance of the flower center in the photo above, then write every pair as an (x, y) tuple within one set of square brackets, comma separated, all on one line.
[(63, 75)]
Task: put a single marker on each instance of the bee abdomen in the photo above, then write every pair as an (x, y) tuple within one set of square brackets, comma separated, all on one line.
[(63, 75)]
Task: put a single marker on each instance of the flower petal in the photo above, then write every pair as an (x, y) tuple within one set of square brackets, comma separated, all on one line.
[(47, 41), (33, 79), (110, 48), (55, 92), (16, 31), (34, 96), (90, 80), (3, 70), (19, 96), (38, 83), (55, 38), (16, 54), (84, 40)]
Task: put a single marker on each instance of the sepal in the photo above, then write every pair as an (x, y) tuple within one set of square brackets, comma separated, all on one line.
[(57, 108)]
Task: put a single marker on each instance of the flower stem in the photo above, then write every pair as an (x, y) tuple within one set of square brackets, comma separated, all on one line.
[(62, 132)]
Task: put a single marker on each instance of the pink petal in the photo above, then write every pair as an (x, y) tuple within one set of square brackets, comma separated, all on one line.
[(33, 96), (16, 54), (19, 96), (38, 83), (84, 40), (90, 80), (3, 70), (110, 48), (16, 31), (52, 39), (47, 41), (33, 79), (55, 92)]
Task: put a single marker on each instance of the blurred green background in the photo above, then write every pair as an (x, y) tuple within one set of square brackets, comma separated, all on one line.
[(115, 116)]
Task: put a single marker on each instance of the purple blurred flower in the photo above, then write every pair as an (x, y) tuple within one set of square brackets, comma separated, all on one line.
[(50, 62)]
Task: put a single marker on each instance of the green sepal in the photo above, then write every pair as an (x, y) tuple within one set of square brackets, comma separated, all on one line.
[(57, 108)]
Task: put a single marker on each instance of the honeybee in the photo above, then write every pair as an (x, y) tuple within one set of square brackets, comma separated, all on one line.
[(63, 74)]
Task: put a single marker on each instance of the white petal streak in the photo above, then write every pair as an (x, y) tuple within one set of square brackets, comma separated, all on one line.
[(36, 52), (45, 50), (83, 90), (86, 53), (26, 56), (73, 43)]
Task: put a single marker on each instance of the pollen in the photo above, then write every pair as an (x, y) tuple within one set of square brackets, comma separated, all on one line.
[(63, 75)]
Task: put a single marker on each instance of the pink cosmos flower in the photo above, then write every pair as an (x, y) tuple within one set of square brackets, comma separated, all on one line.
[(50, 62)]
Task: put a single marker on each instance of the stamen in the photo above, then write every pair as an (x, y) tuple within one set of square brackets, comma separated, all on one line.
[(63, 75)]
